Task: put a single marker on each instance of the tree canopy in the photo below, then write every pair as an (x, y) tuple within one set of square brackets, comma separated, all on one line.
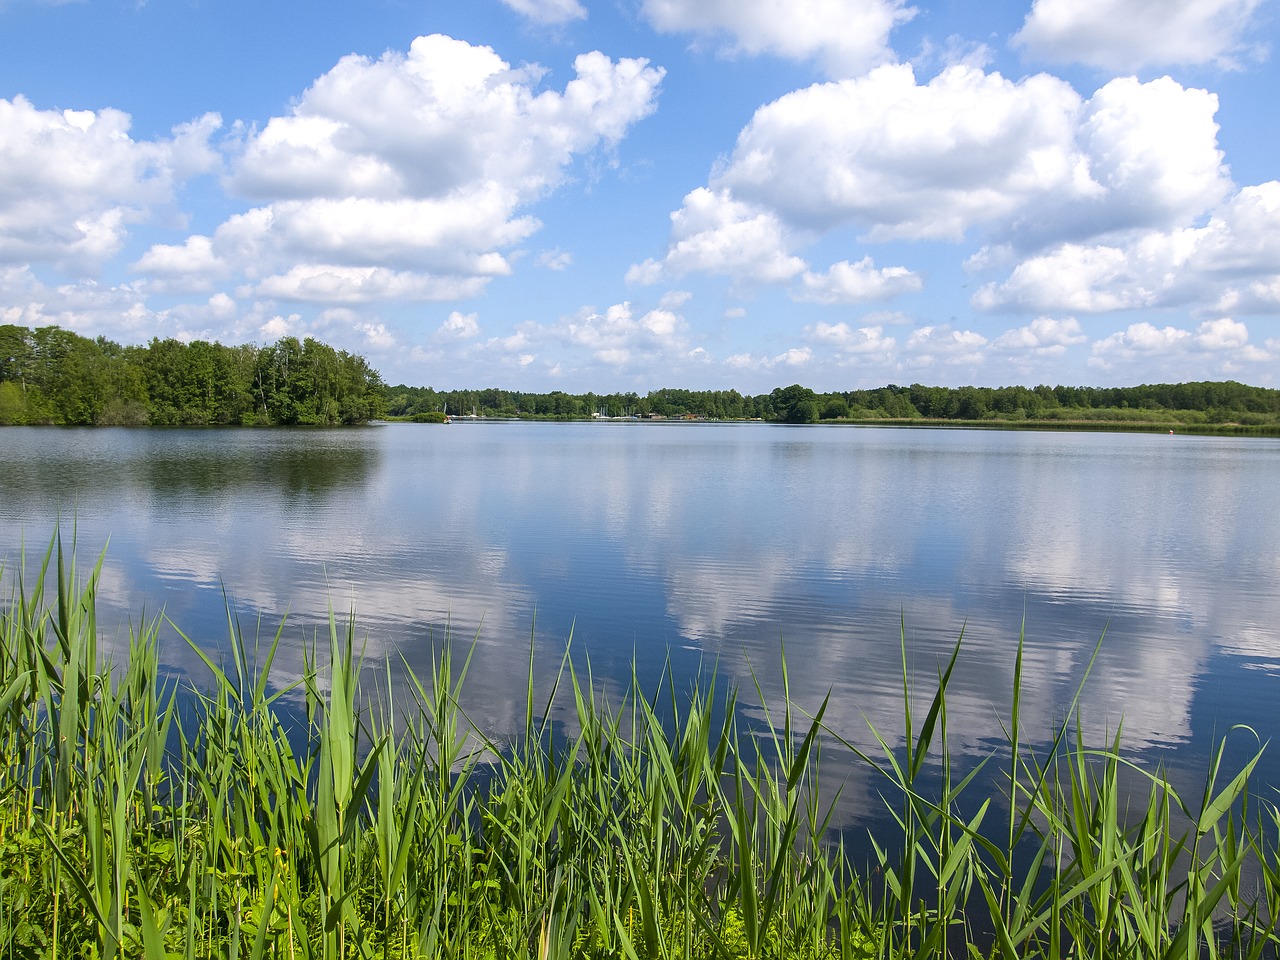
[(54, 376), (1188, 403)]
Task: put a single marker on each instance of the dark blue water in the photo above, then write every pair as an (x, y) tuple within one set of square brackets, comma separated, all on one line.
[(700, 544)]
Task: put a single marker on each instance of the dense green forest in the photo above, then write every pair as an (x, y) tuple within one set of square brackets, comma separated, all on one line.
[(53, 376), (1190, 404)]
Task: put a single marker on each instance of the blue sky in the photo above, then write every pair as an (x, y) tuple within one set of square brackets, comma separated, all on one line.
[(630, 194)]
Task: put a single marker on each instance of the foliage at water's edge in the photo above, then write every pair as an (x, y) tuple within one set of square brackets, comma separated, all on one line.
[(1203, 406), (53, 376)]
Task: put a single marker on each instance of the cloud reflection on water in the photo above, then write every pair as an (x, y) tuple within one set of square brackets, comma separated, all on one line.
[(718, 542)]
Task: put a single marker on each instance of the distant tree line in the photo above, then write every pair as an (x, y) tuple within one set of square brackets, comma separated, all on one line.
[(1189, 403), (50, 375), (54, 376), (408, 401)]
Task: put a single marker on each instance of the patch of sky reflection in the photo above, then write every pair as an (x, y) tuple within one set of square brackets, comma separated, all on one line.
[(706, 544)]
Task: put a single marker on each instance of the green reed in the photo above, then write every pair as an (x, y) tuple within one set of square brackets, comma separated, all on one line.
[(137, 819)]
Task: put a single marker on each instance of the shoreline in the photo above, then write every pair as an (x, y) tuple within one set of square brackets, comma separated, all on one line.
[(1074, 425)]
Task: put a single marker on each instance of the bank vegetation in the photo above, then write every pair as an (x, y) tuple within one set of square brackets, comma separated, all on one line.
[(1221, 407), (54, 376)]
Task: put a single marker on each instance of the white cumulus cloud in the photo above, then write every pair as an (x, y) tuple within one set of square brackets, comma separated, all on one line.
[(942, 344), (859, 282), (618, 336), (846, 339), (795, 357), (1232, 262), (1030, 163), (1222, 334), (1153, 148), (933, 160), (1043, 336), (1123, 35), (189, 266), (1072, 277), (338, 284), (117, 311), (73, 181), (375, 335), (625, 340), (1220, 345), (459, 326), (845, 37), (404, 177), (713, 233), (1140, 338), (904, 159)]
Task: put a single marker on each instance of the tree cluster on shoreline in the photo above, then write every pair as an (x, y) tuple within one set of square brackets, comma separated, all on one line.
[(54, 376), (1191, 404)]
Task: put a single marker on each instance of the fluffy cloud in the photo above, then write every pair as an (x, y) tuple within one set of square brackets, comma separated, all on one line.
[(278, 326), (1222, 334), (403, 177), (1044, 337), (844, 36), (459, 326), (1243, 237), (843, 338), (621, 338), (857, 283), (795, 357), (1121, 35), (72, 181), (376, 335), (119, 312), (448, 116), (1153, 148), (941, 344), (968, 148), (1222, 345), (1232, 262), (713, 233), (909, 160), (1072, 277), (334, 283), (445, 235), (184, 268), (1029, 162), (618, 337)]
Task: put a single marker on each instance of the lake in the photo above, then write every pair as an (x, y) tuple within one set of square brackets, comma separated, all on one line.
[(707, 545)]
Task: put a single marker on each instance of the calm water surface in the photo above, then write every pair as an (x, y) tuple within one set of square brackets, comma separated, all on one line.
[(709, 543)]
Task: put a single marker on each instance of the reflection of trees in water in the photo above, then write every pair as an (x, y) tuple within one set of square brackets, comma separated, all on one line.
[(295, 471), (185, 468), (710, 543)]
